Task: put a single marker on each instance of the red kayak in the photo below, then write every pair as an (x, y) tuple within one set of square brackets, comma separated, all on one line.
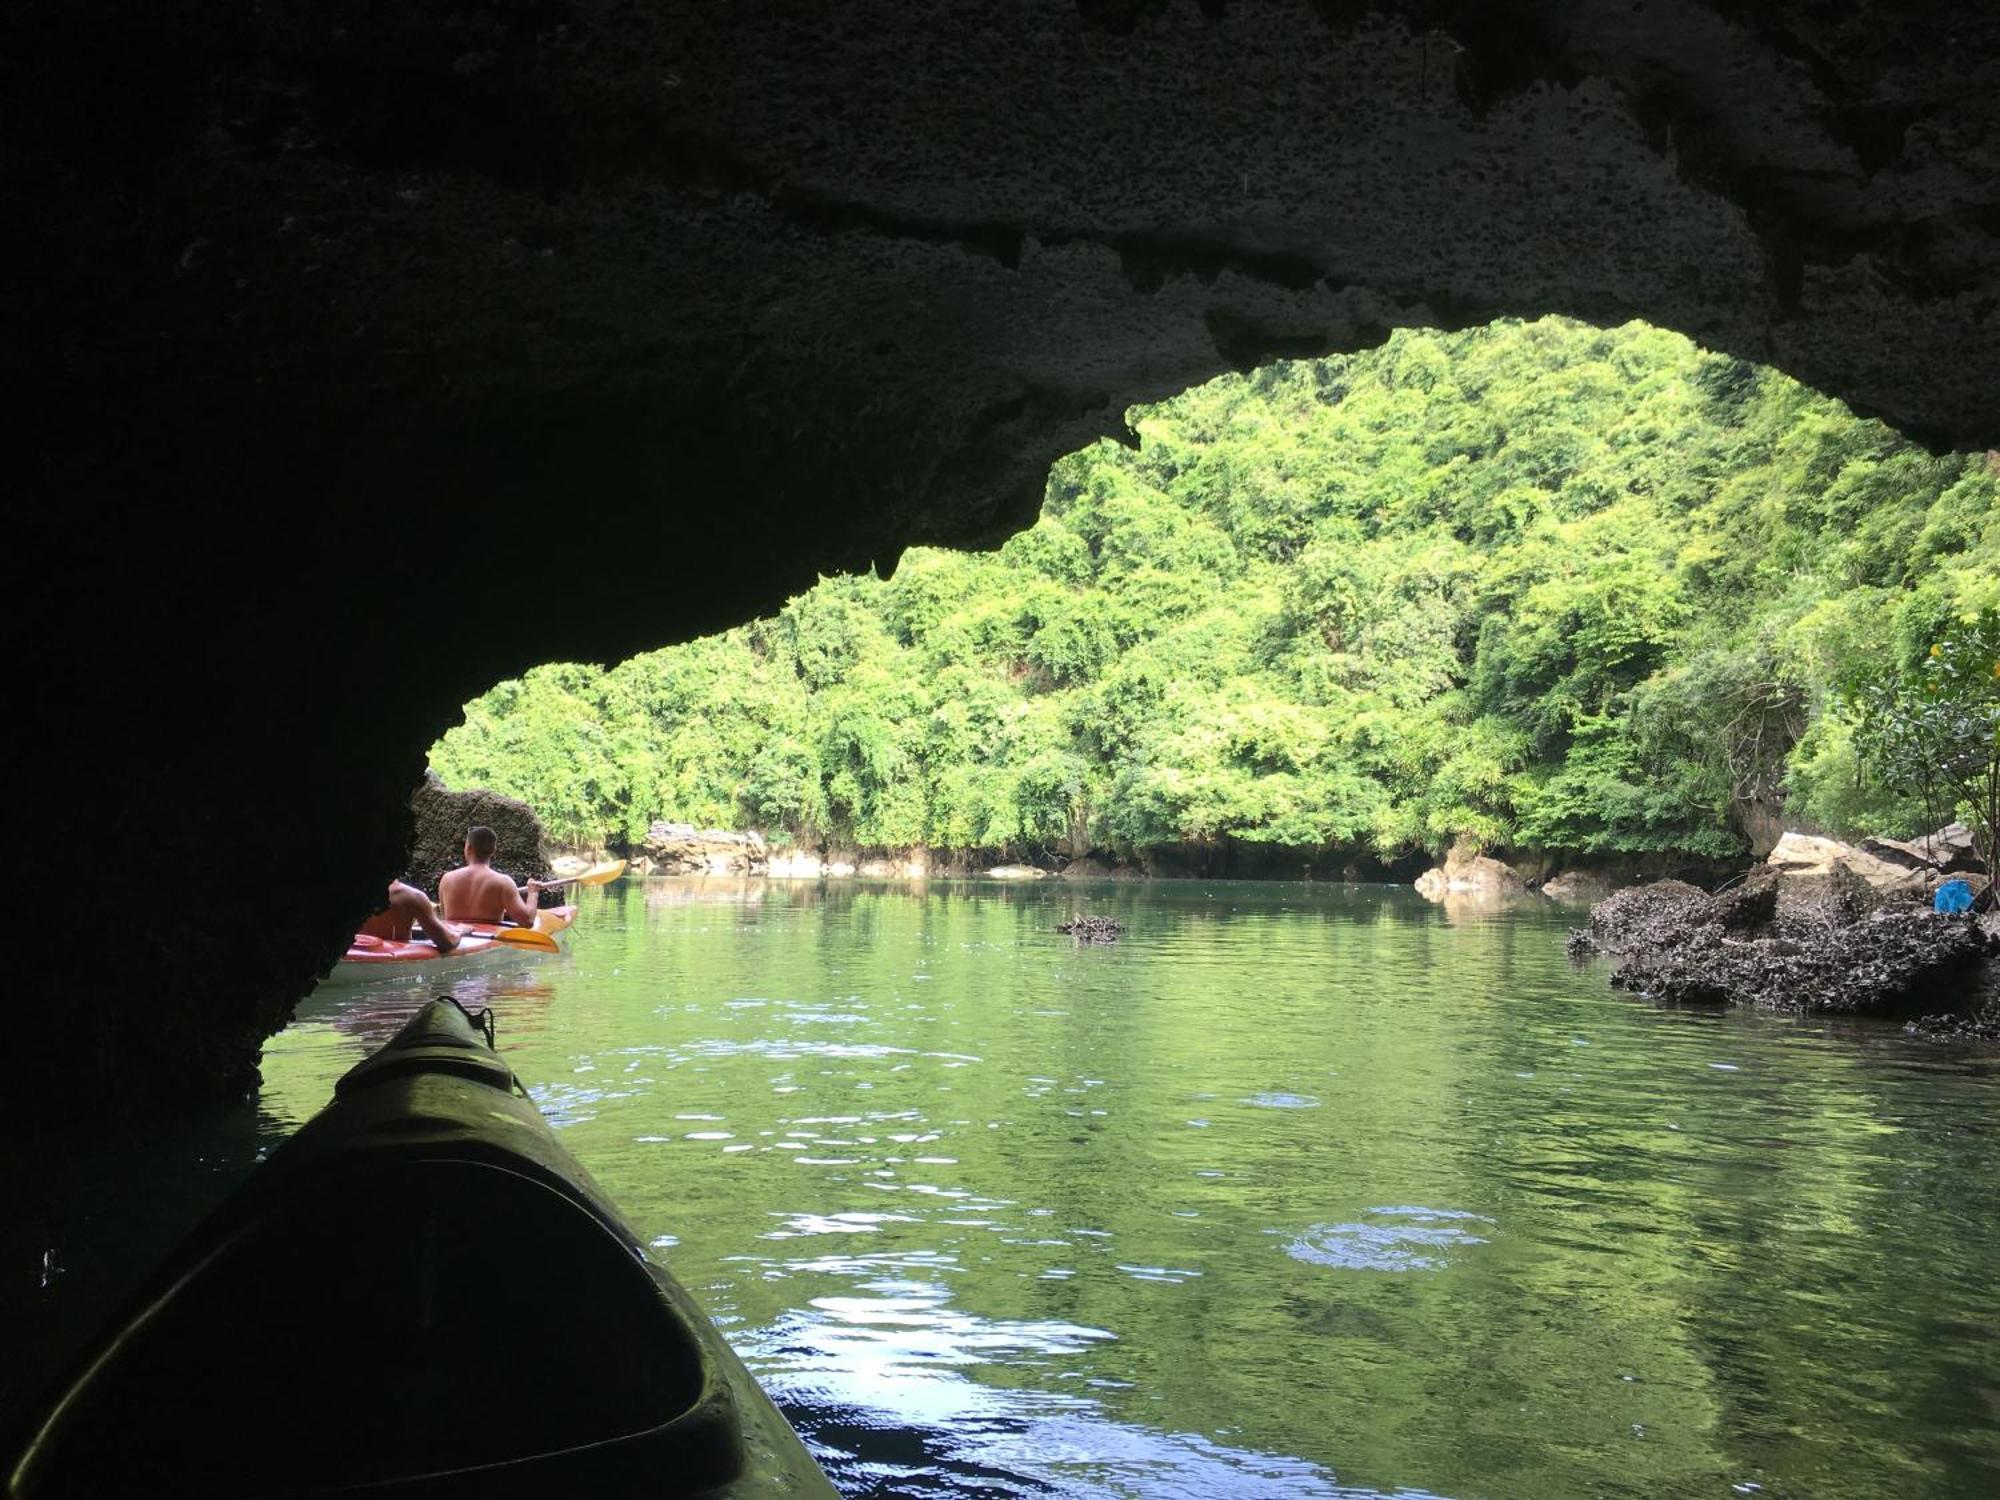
[(374, 957)]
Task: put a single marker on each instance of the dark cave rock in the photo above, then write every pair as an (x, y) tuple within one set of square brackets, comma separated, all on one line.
[(441, 817), (325, 321)]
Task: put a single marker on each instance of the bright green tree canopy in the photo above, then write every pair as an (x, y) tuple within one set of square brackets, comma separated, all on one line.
[(1530, 585)]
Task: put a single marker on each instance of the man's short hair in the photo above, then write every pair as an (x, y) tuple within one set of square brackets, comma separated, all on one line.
[(481, 841)]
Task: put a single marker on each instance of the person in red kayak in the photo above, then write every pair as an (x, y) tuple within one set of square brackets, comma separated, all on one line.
[(409, 907), (480, 893)]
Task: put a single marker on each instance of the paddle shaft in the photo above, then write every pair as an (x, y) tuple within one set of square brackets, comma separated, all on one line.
[(520, 937), (596, 875)]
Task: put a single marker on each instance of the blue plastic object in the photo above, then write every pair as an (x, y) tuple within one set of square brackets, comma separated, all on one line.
[(1953, 896)]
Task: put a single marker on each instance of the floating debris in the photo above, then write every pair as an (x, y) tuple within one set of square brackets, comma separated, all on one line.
[(1091, 929)]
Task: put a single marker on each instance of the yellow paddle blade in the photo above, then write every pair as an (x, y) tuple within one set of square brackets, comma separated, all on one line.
[(602, 874), (527, 937)]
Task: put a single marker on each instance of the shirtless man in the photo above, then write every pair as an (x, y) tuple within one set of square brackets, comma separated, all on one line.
[(480, 893), (409, 907)]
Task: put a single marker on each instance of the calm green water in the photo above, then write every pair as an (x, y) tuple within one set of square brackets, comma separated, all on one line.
[(1295, 1191)]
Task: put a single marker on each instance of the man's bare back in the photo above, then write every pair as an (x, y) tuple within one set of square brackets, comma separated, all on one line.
[(480, 893)]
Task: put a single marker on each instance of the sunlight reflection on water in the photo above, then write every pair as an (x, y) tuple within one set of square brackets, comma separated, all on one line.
[(900, 1360), (1392, 1239)]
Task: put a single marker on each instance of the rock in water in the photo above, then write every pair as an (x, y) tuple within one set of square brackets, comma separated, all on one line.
[(1980, 1020), (1749, 947), (1465, 873), (1582, 887), (437, 843), (1092, 929), (683, 849), (1800, 856), (1654, 914)]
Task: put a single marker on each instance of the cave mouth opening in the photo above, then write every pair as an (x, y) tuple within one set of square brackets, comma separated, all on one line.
[(724, 301), (1584, 594)]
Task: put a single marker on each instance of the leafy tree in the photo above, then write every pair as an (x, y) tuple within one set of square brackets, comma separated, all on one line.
[(1933, 730), (1534, 584)]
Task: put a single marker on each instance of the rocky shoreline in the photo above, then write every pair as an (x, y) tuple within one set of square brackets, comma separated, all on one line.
[(1470, 875), (1821, 928), (673, 848)]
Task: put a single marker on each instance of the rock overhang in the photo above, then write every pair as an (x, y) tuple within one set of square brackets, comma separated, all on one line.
[(603, 325)]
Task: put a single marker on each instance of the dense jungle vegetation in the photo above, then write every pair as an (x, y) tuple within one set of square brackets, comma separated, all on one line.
[(1533, 585)]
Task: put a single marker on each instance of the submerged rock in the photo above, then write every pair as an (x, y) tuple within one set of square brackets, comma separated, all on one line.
[(1092, 929)]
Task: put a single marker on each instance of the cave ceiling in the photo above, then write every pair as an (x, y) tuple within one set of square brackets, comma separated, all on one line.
[(337, 327)]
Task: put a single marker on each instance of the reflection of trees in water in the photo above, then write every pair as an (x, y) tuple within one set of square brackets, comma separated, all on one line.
[(878, 1383), (711, 890), (915, 1138), (1484, 906)]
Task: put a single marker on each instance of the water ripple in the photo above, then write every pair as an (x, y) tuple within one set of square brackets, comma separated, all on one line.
[(1774, 1228), (1390, 1239), (892, 1377)]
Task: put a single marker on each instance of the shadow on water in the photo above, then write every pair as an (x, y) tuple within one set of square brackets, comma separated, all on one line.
[(87, 1220), (89, 1216)]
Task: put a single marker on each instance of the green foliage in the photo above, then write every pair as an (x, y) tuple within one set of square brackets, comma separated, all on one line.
[(1533, 584), (1931, 730)]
